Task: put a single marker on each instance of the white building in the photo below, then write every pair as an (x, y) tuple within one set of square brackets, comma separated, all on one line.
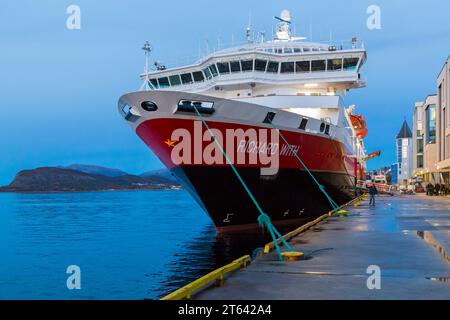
[(404, 154)]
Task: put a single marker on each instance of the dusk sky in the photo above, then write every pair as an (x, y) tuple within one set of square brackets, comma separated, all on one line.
[(59, 88)]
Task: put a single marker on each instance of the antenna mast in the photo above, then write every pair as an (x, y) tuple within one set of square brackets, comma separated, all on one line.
[(249, 31), (147, 49)]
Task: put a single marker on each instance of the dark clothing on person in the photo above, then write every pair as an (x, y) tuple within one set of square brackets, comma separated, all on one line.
[(437, 189), (430, 189), (373, 192)]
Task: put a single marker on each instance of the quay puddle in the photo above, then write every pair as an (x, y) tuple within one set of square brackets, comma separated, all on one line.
[(429, 239), (439, 279)]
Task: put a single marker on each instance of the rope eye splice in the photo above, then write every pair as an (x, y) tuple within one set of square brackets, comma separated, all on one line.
[(263, 219)]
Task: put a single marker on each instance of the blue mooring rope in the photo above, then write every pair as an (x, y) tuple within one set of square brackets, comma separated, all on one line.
[(263, 219), (334, 205)]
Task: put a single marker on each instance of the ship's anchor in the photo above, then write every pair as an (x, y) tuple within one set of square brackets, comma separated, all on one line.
[(227, 219)]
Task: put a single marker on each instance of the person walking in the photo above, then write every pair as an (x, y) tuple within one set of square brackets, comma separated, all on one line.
[(437, 189), (372, 192), (430, 189)]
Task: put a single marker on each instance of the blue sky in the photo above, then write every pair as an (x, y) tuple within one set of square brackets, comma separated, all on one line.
[(59, 88)]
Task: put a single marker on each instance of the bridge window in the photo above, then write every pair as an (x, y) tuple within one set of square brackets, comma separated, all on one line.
[(287, 67), (247, 65), (350, 63), (154, 83), (303, 66), (297, 50), (213, 70), (260, 65), (198, 76), (175, 80), (273, 66), (223, 67), (287, 50), (318, 65), (306, 49), (207, 73), (334, 65), (164, 82), (186, 78), (235, 66)]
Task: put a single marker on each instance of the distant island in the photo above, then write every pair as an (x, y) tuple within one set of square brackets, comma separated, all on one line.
[(79, 177)]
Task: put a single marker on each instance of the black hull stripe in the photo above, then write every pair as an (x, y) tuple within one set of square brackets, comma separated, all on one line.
[(289, 195)]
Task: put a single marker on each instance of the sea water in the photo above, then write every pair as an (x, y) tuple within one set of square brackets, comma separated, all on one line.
[(127, 245)]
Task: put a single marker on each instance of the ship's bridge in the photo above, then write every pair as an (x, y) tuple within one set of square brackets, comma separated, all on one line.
[(286, 67)]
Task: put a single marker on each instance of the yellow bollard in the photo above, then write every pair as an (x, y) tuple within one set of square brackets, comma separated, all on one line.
[(292, 256), (342, 213), (357, 204)]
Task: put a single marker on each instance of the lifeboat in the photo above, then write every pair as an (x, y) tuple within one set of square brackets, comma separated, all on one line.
[(359, 123)]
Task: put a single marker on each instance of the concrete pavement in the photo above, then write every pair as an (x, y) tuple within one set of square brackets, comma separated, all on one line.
[(407, 237)]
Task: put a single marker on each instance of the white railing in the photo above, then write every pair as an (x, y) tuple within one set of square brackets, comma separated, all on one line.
[(338, 45)]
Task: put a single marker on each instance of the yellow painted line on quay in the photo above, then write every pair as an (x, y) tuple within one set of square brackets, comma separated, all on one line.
[(218, 276)]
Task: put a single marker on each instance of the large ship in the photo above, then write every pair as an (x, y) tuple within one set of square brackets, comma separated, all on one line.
[(234, 105)]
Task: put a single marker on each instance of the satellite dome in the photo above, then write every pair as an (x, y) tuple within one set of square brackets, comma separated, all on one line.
[(285, 15)]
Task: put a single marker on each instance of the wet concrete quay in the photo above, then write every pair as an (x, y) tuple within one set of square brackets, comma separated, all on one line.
[(406, 237)]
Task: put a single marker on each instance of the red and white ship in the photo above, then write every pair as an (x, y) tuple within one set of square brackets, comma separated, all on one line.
[(296, 86)]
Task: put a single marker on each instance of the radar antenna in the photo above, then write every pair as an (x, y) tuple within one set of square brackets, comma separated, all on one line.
[(284, 27)]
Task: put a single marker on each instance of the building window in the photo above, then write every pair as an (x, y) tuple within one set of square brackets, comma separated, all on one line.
[(420, 161), (419, 146), (431, 123)]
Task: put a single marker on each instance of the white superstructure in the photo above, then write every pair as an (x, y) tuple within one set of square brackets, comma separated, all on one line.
[(288, 73)]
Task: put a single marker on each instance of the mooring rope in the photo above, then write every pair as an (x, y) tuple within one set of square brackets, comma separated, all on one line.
[(334, 205), (263, 218)]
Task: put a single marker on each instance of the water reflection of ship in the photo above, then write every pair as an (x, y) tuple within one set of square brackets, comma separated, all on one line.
[(209, 250)]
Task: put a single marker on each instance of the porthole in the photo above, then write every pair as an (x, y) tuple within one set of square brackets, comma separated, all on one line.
[(322, 127), (149, 106)]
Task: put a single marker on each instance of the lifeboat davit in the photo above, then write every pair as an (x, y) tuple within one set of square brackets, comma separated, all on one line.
[(359, 123)]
